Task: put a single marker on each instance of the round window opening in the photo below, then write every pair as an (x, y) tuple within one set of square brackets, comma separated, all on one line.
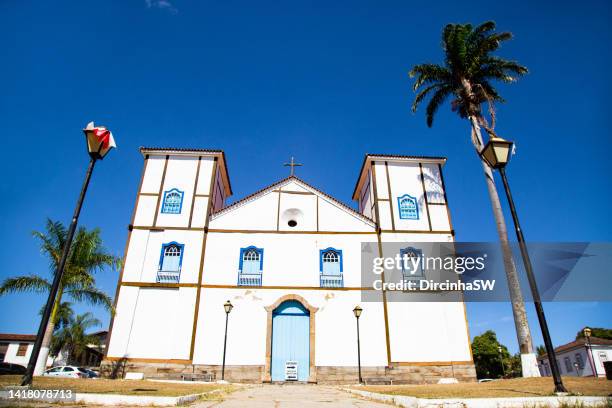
[(292, 223)]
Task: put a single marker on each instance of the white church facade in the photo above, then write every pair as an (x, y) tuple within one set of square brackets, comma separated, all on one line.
[(288, 258)]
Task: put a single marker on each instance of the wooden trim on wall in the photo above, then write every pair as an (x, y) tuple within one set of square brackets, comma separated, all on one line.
[(278, 209), (195, 186), (159, 285), (380, 253), (196, 312), (390, 196), (267, 372), (451, 232), (276, 287), (161, 190), (450, 223), (425, 195), (430, 363), (317, 209), (149, 194), (149, 360), (125, 252), (293, 192), (238, 231)]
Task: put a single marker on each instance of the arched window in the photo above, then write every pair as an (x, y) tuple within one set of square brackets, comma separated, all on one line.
[(330, 266), (173, 202), (412, 263), (250, 266), (408, 207), (170, 263)]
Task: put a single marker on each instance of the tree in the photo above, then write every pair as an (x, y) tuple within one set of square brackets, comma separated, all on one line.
[(598, 332), (86, 257), (467, 76), (485, 349), (541, 350), (73, 340)]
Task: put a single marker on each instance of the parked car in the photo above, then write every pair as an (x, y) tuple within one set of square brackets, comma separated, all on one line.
[(92, 373), (67, 372), (10, 368)]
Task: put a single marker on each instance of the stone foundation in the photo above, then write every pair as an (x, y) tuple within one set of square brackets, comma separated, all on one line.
[(399, 374)]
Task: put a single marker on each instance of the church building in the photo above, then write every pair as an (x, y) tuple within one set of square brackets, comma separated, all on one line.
[(288, 259)]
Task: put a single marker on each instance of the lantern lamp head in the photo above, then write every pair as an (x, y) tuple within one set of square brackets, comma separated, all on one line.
[(586, 332), (228, 306), (497, 152), (357, 311), (99, 140)]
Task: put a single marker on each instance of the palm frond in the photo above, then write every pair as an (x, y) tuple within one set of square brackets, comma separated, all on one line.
[(30, 283), (91, 295), (435, 102)]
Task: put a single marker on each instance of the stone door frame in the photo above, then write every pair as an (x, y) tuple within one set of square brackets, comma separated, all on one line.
[(267, 375)]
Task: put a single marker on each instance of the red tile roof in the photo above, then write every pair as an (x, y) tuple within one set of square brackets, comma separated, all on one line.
[(17, 337), (594, 341)]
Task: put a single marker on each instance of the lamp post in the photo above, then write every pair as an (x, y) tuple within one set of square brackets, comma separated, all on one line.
[(100, 141), (496, 154), (228, 308), (587, 340), (501, 361), (357, 312)]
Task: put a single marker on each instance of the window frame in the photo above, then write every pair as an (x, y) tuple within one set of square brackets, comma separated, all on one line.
[(241, 273), (415, 276), (163, 250), (22, 346), (164, 210), (338, 252), (416, 205)]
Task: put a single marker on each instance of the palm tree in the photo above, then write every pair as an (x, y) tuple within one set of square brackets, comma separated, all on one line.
[(467, 76), (86, 257), (73, 340)]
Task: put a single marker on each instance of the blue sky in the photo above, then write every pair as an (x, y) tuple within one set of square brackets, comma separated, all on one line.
[(323, 81)]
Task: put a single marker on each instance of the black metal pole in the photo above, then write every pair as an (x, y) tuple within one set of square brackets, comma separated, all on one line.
[(359, 354), (27, 378), (224, 347), (550, 351)]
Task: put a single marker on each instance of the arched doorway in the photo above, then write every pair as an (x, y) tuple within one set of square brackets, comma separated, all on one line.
[(290, 340), (290, 337)]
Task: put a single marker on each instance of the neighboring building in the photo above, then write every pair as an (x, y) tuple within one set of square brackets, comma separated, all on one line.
[(93, 355), (16, 348), (288, 257), (578, 359)]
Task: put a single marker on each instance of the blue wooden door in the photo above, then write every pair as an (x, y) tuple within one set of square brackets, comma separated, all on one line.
[(290, 339)]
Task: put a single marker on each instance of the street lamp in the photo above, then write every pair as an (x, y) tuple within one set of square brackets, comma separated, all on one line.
[(100, 141), (497, 154), (587, 340), (501, 361), (228, 308), (357, 312)]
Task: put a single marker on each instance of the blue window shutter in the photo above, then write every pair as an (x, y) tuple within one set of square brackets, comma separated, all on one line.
[(173, 201)]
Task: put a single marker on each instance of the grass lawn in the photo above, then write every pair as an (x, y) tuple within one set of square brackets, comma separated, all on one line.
[(518, 387), (124, 387)]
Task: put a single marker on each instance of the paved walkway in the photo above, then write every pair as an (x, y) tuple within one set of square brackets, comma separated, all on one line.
[(290, 396)]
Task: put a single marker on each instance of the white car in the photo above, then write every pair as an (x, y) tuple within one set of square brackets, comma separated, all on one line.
[(66, 372)]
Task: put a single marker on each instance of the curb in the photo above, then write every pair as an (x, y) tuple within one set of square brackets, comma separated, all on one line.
[(505, 402)]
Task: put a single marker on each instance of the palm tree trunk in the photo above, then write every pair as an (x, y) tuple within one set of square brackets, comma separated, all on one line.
[(528, 358), (41, 363)]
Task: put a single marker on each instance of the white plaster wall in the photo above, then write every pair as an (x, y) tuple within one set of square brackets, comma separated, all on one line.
[(145, 211), (335, 330), (299, 207), (180, 174), (428, 331), (142, 262), (206, 166), (288, 259), (153, 323), (405, 178), (199, 212), (433, 183), (12, 357), (153, 174), (262, 213)]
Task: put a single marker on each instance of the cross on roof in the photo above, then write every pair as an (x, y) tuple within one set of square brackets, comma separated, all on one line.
[(293, 165)]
